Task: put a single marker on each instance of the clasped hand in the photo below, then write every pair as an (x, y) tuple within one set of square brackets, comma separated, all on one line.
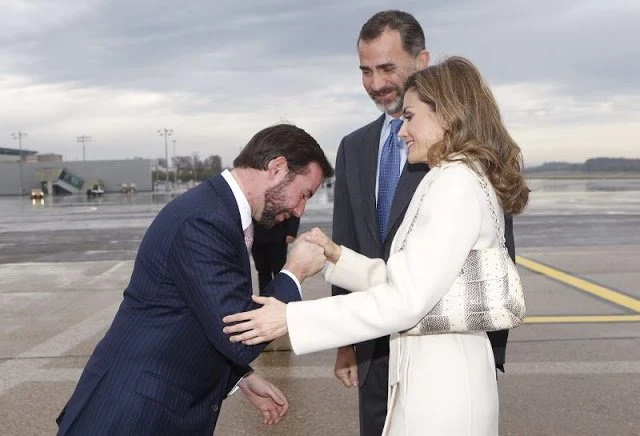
[(307, 257)]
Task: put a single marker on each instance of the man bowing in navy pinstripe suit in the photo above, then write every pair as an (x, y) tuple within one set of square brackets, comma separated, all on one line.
[(165, 365)]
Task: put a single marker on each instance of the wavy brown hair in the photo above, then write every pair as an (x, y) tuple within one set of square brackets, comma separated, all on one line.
[(473, 127)]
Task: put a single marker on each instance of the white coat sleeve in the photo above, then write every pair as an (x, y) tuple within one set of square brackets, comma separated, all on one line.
[(356, 272), (447, 228)]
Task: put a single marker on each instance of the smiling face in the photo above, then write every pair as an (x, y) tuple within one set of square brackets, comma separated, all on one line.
[(421, 128), (289, 195), (385, 65)]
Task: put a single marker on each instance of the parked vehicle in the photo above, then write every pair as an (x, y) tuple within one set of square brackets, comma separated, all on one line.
[(128, 188), (96, 190), (37, 194)]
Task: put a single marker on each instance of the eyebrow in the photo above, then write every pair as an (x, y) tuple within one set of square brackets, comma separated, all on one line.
[(386, 65), (378, 67)]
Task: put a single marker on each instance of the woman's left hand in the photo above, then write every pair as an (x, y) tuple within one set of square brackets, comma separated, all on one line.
[(260, 325)]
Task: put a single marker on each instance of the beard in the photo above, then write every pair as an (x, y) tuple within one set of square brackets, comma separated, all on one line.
[(274, 200), (392, 107)]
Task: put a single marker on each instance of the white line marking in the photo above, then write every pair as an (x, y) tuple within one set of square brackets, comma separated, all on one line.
[(101, 277), (21, 369)]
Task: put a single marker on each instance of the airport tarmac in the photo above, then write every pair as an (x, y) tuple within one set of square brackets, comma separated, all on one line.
[(572, 369)]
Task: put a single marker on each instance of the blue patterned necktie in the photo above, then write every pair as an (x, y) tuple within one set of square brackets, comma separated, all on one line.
[(388, 176)]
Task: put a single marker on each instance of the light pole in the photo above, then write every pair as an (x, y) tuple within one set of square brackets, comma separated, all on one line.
[(83, 139), (19, 137), (165, 133), (175, 169)]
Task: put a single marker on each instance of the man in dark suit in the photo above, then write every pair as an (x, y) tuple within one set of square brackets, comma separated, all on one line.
[(371, 163), (269, 249), (165, 365)]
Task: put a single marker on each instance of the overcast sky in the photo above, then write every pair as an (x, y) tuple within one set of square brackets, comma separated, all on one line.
[(566, 73)]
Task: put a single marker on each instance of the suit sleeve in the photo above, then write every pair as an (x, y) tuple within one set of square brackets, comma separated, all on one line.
[(206, 265), (508, 235), (499, 338), (344, 232), (237, 373), (418, 276)]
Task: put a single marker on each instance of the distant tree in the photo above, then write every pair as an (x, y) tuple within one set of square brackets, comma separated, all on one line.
[(598, 164), (198, 168), (158, 175), (184, 167), (604, 164), (212, 166), (215, 163), (556, 166)]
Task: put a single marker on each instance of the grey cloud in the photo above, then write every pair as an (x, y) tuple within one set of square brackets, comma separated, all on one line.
[(124, 43), (229, 56), (583, 50), (196, 45)]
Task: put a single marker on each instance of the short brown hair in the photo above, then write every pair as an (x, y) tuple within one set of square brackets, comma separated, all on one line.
[(411, 33), (286, 140), (473, 127)]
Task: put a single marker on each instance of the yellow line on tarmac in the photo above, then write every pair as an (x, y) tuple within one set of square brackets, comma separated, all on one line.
[(581, 284), (580, 318)]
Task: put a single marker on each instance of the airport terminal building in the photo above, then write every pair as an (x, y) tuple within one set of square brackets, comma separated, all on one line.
[(24, 170)]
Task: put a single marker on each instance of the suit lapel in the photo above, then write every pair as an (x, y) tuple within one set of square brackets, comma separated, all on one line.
[(228, 200), (368, 175), (225, 194), (410, 178)]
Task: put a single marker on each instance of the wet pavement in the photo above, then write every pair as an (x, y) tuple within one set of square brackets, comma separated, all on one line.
[(64, 265)]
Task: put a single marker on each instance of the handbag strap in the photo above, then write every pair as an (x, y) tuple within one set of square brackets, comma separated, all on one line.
[(499, 230), (494, 215), (413, 223)]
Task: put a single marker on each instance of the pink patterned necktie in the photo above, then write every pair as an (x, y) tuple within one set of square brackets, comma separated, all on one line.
[(248, 236)]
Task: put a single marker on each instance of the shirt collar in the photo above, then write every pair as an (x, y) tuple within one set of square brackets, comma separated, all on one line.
[(388, 118), (241, 199)]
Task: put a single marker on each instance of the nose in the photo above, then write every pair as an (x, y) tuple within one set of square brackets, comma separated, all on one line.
[(299, 209), (402, 133), (378, 81)]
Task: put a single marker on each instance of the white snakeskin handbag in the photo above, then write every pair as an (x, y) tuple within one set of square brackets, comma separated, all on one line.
[(487, 294)]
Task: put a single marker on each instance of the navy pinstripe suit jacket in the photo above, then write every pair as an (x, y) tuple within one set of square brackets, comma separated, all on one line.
[(164, 366)]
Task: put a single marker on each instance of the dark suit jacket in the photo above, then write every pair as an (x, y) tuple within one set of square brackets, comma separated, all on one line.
[(165, 365), (354, 214)]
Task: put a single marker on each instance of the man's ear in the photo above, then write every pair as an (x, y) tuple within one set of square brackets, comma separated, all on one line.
[(422, 60), (277, 167)]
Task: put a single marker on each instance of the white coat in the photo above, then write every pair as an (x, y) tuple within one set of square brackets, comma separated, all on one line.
[(441, 384)]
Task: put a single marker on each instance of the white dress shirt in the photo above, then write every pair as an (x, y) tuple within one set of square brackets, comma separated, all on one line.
[(245, 214)]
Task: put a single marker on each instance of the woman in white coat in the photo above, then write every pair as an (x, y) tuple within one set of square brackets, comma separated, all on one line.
[(440, 384)]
